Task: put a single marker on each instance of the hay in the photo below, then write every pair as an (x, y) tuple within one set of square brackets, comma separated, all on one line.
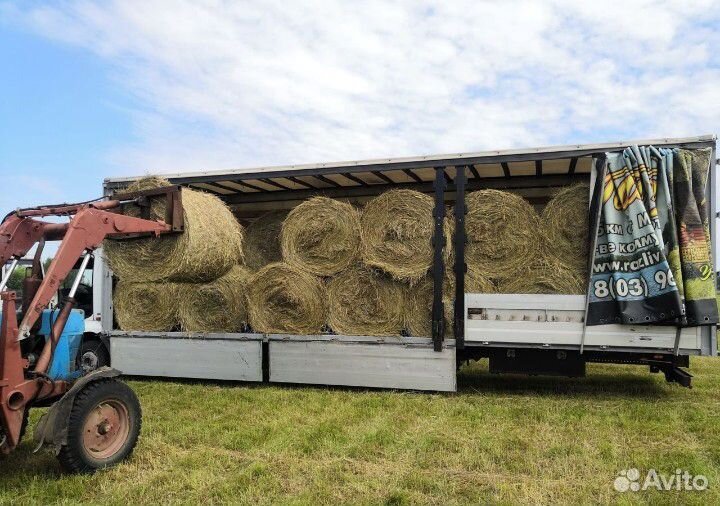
[(219, 306), (564, 224), (210, 245), (419, 301), (285, 300), (365, 301), (397, 232), (547, 276), (502, 233), (321, 236), (261, 244), (146, 306)]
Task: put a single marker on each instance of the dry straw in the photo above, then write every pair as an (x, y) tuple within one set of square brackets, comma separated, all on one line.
[(419, 301), (219, 306), (146, 306), (364, 301), (397, 233), (282, 299), (547, 276), (502, 233), (210, 245), (565, 226), (321, 236), (261, 243)]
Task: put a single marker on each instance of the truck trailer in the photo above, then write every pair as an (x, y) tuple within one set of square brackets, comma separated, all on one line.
[(518, 333)]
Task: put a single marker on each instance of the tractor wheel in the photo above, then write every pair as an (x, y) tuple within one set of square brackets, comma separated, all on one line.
[(103, 427)]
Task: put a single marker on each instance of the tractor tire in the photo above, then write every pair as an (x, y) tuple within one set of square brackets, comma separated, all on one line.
[(103, 427)]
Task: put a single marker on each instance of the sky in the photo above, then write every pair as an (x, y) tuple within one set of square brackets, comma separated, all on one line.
[(95, 89)]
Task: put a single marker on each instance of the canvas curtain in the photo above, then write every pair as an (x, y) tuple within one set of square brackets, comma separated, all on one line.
[(652, 257)]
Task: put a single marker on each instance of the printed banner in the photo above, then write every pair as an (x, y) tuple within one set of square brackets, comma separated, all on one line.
[(653, 250), (631, 279)]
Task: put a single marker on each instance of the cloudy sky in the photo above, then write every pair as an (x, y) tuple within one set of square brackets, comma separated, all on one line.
[(96, 89)]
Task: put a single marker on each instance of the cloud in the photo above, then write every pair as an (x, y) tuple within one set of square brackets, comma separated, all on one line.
[(269, 82)]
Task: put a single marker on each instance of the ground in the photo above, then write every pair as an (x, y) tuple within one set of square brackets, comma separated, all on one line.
[(500, 439)]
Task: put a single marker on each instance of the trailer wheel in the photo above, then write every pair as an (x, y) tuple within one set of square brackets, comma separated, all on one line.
[(103, 427)]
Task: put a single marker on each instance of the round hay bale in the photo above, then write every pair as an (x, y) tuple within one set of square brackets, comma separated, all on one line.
[(321, 236), (502, 233), (219, 306), (285, 300), (210, 245), (364, 301), (397, 233), (146, 306), (564, 225), (548, 276), (418, 310), (261, 244)]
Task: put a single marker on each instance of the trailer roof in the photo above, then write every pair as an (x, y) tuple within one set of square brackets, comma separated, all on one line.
[(484, 169)]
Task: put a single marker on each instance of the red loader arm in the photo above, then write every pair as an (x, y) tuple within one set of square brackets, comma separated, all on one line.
[(87, 229)]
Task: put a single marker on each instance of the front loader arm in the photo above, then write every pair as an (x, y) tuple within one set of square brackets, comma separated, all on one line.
[(87, 230)]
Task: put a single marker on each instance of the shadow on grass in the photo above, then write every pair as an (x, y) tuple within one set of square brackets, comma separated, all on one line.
[(476, 379), (627, 383)]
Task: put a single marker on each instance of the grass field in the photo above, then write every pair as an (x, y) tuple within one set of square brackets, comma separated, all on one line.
[(500, 439)]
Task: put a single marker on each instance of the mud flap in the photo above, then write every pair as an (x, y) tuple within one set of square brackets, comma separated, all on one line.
[(52, 429)]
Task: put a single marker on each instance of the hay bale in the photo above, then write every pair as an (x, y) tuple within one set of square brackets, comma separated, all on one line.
[(397, 233), (219, 306), (419, 301), (547, 276), (285, 300), (261, 244), (321, 236), (502, 233), (364, 301), (146, 306), (210, 245), (564, 226)]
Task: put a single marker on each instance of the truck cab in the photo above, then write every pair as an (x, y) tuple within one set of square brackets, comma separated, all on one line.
[(94, 348)]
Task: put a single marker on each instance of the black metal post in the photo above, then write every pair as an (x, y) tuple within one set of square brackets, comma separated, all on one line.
[(460, 266), (438, 318)]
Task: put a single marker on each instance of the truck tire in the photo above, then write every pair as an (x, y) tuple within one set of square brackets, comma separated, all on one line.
[(103, 427), (92, 355)]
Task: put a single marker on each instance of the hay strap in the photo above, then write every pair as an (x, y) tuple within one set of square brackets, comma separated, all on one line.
[(438, 310), (460, 267)]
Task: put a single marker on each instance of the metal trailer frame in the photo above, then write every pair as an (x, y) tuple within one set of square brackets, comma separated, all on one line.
[(444, 176)]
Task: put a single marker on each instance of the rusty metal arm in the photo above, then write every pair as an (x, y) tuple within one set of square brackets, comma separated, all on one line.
[(87, 230)]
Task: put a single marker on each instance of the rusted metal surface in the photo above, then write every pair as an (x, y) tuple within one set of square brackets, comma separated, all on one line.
[(89, 225), (106, 429)]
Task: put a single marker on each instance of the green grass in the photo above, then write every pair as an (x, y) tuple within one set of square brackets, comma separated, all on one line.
[(500, 439)]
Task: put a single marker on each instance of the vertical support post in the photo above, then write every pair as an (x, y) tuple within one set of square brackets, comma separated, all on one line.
[(595, 212), (460, 265), (438, 316), (712, 189)]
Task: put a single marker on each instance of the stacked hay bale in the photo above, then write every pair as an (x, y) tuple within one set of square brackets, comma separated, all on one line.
[(217, 306), (502, 234), (565, 231), (364, 301), (326, 265), (397, 233), (286, 300), (321, 236), (157, 274), (261, 243)]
